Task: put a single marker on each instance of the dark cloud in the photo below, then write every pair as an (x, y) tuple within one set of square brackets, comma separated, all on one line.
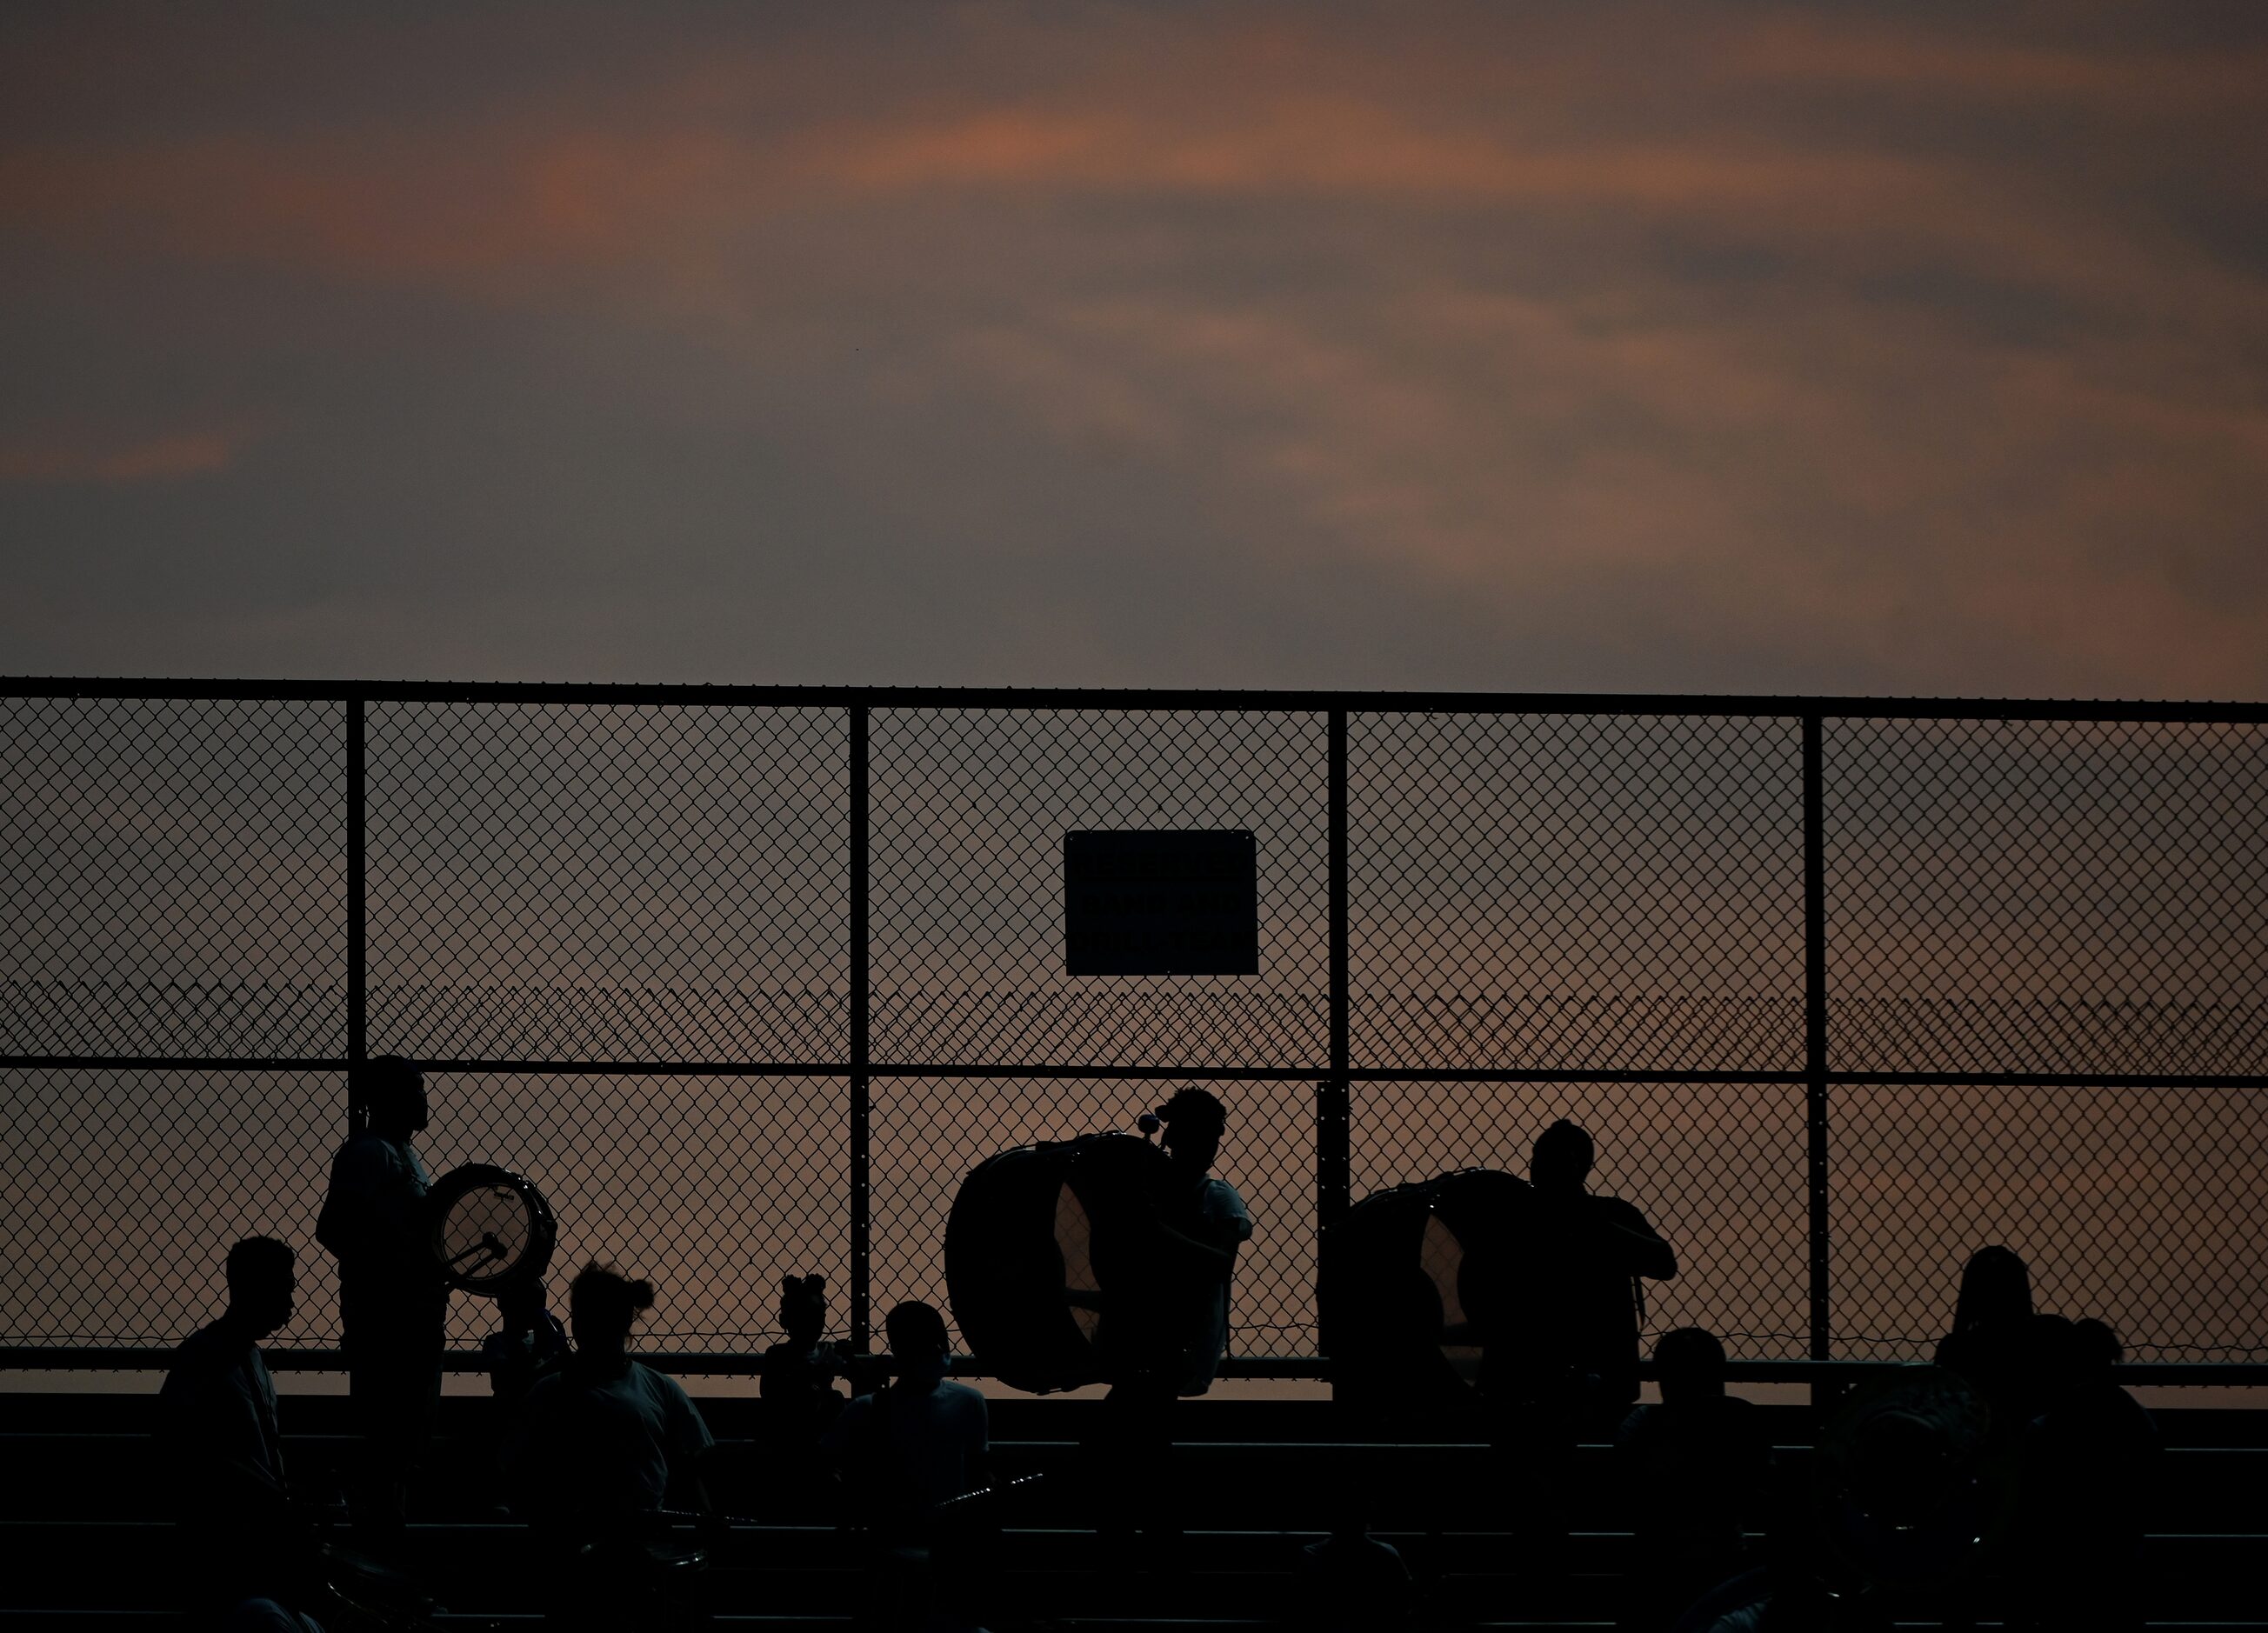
[(1891, 348)]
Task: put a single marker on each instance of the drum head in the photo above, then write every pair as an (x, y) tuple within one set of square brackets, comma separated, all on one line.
[(1043, 1264), (1416, 1283), (491, 1229)]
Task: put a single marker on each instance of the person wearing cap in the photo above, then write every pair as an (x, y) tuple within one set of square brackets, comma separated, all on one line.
[(393, 1300), (1192, 1228)]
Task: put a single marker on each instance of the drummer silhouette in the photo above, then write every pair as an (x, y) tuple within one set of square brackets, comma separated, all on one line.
[(223, 1460), (1190, 1235), (393, 1301)]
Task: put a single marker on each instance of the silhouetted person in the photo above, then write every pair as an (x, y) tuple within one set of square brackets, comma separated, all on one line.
[(531, 1341), (1565, 1363), (1350, 1579), (2092, 1469), (1991, 1342), (222, 1457), (795, 1383), (393, 1301), (916, 1443), (606, 1443), (905, 1450), (1694, 1468), (1194, 1232)]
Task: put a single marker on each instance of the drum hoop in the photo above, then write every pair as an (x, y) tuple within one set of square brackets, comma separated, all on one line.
[(460, 1182)]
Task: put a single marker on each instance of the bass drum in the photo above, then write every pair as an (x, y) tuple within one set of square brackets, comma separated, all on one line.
[(489, 1229), (1044, 1264), (1413, 1285)]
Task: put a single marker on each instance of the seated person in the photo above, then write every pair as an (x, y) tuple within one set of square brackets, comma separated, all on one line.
[(1695, 1466), (796, 1378), (1991, 1342), (2092, 1467), (531, 1341), (222, 1455), (605, 1441), (915, 1444)]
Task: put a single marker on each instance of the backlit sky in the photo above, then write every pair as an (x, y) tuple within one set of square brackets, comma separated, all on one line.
[(1896, 348)]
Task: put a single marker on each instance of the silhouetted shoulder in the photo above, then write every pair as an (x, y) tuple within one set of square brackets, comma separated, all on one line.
[(684, 1429), (1221, 1207)]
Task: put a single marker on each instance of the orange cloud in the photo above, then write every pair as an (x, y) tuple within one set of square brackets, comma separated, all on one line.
[(170, 457)]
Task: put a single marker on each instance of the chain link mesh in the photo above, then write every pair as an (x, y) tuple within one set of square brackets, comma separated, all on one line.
[(2047, 896), (970, 811), (125, 1188), (1586, 893), (572, 882), (175, 876), (2138, 1206), (551, 882)]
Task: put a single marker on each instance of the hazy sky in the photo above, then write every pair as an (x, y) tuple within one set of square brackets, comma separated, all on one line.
[(1896, 348)]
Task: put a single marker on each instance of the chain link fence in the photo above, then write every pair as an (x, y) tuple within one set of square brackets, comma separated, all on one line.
[(748, 980)]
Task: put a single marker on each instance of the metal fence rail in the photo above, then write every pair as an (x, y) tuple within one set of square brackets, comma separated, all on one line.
[(749, 977)]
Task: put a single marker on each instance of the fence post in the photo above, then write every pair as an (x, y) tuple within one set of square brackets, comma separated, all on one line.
[(1815, 1028), (862, 1278), (1334, 1104), (357, 969)]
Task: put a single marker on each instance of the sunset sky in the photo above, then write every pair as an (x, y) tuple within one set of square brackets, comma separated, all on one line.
[(1908, 348)]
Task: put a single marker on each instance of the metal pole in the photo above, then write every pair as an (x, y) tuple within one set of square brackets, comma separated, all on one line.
[(862, 1269), (1334, 1155), (357, 970), (1815, 1028)]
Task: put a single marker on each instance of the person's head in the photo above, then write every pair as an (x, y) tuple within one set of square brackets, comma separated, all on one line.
[(1995, 1287), (1561, 1159), (803, 1307), (260, 1283), (1689, 1364), (1195, 1120), (918, 1343), (390, 1092), (602, 1305)]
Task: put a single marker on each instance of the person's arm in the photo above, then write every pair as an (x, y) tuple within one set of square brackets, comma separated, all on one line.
[(689, 1446), (218, 1453), (374, 1218), (1170, 1238), (1632, 1243)]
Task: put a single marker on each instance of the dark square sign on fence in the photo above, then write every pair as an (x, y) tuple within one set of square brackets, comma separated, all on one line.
[(1149, 903)]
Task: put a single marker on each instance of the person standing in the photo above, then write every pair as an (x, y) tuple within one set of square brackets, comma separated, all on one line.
[(1193, 1231), (393, 1301)]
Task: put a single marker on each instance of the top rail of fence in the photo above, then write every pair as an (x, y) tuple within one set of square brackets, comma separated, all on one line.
[(1226, 700)]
